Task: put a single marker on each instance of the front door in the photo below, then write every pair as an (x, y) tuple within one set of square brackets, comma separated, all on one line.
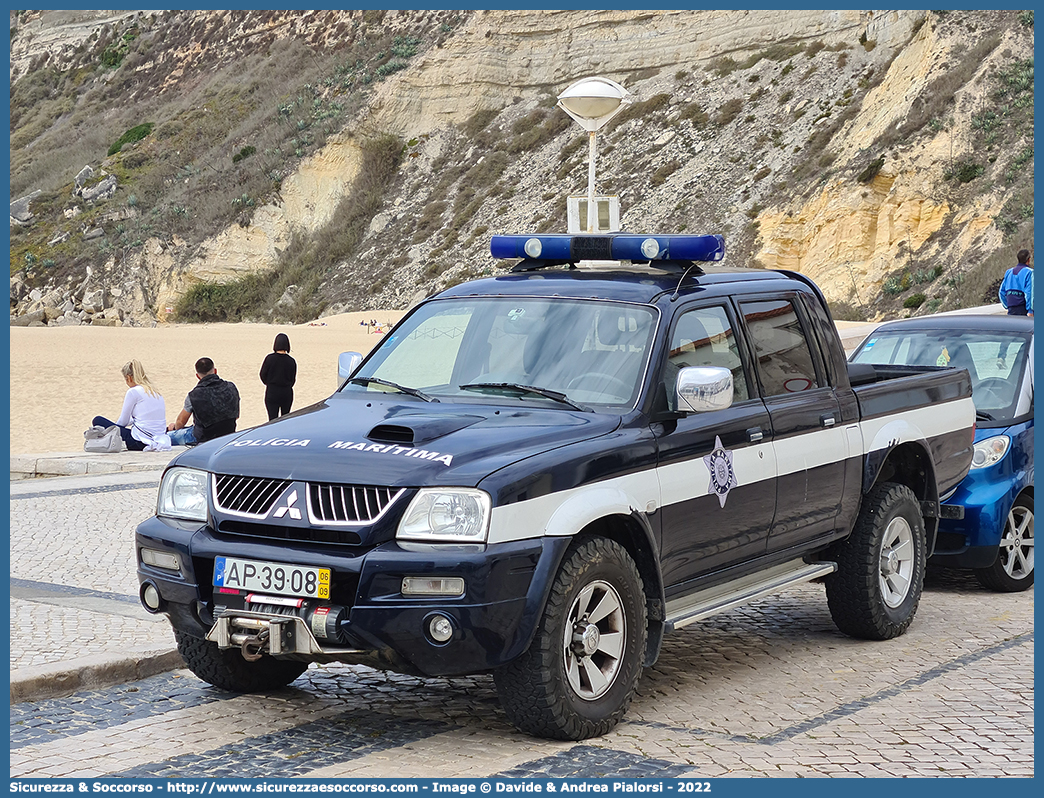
[(716, 469)]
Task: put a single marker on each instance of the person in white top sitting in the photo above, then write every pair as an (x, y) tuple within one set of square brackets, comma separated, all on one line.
[(143, 420)]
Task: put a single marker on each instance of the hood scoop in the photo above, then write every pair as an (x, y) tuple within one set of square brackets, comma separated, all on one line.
[(419, 430)]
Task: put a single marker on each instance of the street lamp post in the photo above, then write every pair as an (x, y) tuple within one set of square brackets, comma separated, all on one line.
[(592, 102)]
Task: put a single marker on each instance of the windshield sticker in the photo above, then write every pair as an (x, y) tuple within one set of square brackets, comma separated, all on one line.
[(722, 476), (944, 358), (272, 442), (404, 451), (870, 343)]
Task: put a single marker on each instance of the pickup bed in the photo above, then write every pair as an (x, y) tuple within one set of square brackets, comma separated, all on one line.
[(540, 474)]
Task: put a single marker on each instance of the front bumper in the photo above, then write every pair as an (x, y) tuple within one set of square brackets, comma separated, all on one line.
[(493, 622)]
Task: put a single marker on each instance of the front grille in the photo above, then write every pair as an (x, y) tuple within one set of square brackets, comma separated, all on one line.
[(348, 504), (247, 495), (300, 534)]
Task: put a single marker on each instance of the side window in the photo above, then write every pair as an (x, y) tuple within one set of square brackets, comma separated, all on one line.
[(784, 357), (704, 337)]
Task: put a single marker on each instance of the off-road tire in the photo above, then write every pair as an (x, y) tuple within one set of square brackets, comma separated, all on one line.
[(1013, 570), (227, 670), (536, 690), (859, 592)]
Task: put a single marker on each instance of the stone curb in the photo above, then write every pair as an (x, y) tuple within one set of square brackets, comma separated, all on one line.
[(94, 672), (64, 464)]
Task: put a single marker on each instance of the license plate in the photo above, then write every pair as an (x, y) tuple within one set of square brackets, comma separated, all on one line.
[(277, 578)]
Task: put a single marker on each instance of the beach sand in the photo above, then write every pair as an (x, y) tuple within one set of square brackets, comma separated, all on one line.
[(61, 377)]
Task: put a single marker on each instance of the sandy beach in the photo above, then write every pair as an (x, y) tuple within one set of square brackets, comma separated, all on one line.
[(61, 377)]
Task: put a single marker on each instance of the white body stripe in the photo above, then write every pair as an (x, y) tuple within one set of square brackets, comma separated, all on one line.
[(567, 512), (917, 425)]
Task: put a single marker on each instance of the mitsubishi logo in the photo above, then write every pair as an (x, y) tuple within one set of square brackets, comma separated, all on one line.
[(288, 508)]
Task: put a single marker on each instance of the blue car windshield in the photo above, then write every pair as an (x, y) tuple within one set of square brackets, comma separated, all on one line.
[(996, 361), (587, 354)]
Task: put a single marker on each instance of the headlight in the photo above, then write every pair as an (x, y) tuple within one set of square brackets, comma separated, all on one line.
[(992, 450), (460, 515), (183, 494)]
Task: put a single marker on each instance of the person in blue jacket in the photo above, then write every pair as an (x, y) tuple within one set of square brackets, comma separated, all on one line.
[(1016, 290)]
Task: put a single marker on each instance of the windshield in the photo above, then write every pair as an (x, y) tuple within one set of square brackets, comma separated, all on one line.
[(565, 352), (995, 360)]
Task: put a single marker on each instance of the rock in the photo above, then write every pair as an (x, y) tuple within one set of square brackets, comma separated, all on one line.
[(93, 301), (102, 321), (51, 313), (105, 189), (288, 296), (72, 213), (35, 295), (20, 213), (85, 174), (93, 233), (27, 319)]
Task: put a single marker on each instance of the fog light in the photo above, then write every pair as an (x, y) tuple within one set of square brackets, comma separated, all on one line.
[(428, 586), (161, 559), (150, 597), (440, 628)]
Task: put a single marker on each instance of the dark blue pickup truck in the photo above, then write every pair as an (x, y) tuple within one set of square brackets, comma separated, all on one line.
[(540, 474)]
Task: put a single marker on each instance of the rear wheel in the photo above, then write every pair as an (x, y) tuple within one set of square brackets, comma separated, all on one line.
[(228, 670), (577, 678), (876, 589), (1013, 570)]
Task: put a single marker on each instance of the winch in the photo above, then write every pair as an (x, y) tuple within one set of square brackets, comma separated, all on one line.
[(279, 625)]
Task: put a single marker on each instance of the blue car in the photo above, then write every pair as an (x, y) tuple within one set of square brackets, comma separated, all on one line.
[(987, 522)]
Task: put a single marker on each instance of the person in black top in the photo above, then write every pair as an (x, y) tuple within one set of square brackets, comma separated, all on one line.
[(279, 373), (213, 405)]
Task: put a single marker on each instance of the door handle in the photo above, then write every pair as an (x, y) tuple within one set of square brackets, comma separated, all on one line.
[(755, 434), (827, 420)]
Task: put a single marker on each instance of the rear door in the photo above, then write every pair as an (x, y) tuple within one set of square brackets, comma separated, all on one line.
[(806, 423)]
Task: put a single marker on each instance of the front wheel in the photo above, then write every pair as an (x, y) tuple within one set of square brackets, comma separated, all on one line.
[(228, 670), (1013, 569), (880, 567), (578, 675)]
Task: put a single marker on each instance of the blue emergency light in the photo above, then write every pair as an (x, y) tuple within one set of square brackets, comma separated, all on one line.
[(556, 249)]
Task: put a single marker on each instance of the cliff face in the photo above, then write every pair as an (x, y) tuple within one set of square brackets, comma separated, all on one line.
[(827, 142)]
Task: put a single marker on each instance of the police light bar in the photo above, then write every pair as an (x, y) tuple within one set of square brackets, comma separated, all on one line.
[(618, 246)]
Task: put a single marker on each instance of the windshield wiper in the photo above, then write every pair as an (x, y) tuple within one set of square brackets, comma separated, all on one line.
[(984, 415), (390, 384), (547, 393)]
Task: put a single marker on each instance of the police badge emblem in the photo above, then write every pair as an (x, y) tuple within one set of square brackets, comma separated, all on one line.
[(722, 476)]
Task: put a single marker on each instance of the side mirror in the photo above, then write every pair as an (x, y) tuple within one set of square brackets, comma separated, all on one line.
[(703, 388), (347, 362)]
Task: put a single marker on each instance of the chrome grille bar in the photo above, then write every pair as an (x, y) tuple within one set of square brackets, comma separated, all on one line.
[(250, 496), (348, 504)]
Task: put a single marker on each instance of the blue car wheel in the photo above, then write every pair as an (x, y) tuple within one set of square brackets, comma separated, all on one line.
[(1013, 569)]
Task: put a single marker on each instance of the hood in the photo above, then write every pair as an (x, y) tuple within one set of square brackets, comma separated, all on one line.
[(352, 439)]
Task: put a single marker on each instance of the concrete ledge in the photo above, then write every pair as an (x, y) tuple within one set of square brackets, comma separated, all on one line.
[(65, 464), (89, 673)]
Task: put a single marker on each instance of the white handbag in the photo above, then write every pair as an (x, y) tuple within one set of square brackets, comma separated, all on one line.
[(103, 440)]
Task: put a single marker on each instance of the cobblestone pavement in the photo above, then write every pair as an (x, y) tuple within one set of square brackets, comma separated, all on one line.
[(770, 689)]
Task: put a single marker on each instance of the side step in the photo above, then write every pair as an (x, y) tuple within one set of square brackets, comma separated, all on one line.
[(704, 603)]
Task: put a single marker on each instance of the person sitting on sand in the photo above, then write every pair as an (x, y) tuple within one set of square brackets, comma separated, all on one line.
[(213, 404), (144, 413)]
